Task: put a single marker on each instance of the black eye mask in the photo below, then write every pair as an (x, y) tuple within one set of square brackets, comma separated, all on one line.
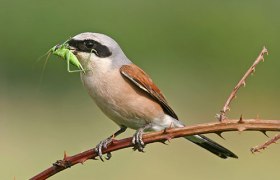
[(90, 46)]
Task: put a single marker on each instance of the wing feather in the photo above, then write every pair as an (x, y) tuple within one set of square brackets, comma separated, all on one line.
[(142, 80)]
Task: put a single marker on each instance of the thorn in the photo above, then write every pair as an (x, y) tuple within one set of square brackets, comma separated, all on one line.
[(220, 134), (219, 117), (65, 155), (244, 83), (170, 127), (82, 161), (165, 131), (264, 132), (241, 119), (168, 138), (258, 116), (163, 142)]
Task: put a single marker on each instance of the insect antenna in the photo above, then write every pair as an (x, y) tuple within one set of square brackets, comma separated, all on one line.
[(44, 66)]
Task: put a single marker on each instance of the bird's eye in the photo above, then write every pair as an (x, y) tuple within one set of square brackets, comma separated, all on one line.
[(89, 44)]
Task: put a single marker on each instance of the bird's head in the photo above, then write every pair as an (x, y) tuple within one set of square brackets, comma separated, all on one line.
[(97, 51)]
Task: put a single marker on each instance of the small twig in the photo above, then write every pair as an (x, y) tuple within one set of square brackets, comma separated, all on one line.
[(241, 83), (167, 134), (266, 144)]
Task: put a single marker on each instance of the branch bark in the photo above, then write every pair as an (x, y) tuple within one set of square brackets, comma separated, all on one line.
[(241, 83), (266, 144), (214, 127)]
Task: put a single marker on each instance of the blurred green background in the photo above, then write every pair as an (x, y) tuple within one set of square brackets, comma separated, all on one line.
[(195, 51)]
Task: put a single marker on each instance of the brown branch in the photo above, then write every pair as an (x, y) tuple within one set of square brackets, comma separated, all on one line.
[(162, 136), (266, 144), (241, 83)]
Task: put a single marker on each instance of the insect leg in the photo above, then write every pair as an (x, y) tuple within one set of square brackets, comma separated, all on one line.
[(68, 63)]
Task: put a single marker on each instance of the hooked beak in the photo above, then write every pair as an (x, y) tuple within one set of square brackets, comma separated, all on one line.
[(71, 48), (56, 47)]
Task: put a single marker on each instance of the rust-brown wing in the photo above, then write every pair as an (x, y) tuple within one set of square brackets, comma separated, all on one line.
[(142, 80)]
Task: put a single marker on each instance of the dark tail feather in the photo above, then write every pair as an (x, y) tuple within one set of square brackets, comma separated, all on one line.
[(211, 146)]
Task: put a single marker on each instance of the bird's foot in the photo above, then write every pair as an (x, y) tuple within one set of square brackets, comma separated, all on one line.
[(103, 145), (137, 140)]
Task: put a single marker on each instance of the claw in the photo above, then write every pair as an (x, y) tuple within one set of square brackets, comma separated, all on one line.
[(103, 145), (99, 151), (109, 155), (138, 141), (137, 138)]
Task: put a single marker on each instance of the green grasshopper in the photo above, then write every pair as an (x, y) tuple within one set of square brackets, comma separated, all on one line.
[(64, 52)]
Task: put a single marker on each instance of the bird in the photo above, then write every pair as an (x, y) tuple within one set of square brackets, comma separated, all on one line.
[(126, 94)]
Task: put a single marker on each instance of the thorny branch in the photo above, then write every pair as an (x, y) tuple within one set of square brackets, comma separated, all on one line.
[(266, 144), (241, 83), (226, 107), (162, 136), (223, 125)]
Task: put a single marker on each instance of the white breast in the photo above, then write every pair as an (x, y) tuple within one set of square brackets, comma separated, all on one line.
[(124, 104)]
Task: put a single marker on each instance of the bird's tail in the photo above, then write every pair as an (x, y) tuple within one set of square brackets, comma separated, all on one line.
[(211, 146)]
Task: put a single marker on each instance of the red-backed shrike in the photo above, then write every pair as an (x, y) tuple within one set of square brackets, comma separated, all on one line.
[(126, 94)]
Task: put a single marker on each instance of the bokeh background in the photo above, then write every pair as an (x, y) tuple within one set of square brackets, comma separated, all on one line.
[(195, 51)]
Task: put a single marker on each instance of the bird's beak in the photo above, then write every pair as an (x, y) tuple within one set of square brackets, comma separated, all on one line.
[(67, 44), (73, 50)]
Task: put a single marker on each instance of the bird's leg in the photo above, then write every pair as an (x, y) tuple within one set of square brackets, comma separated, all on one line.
[(137, 138), (104, 144)]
